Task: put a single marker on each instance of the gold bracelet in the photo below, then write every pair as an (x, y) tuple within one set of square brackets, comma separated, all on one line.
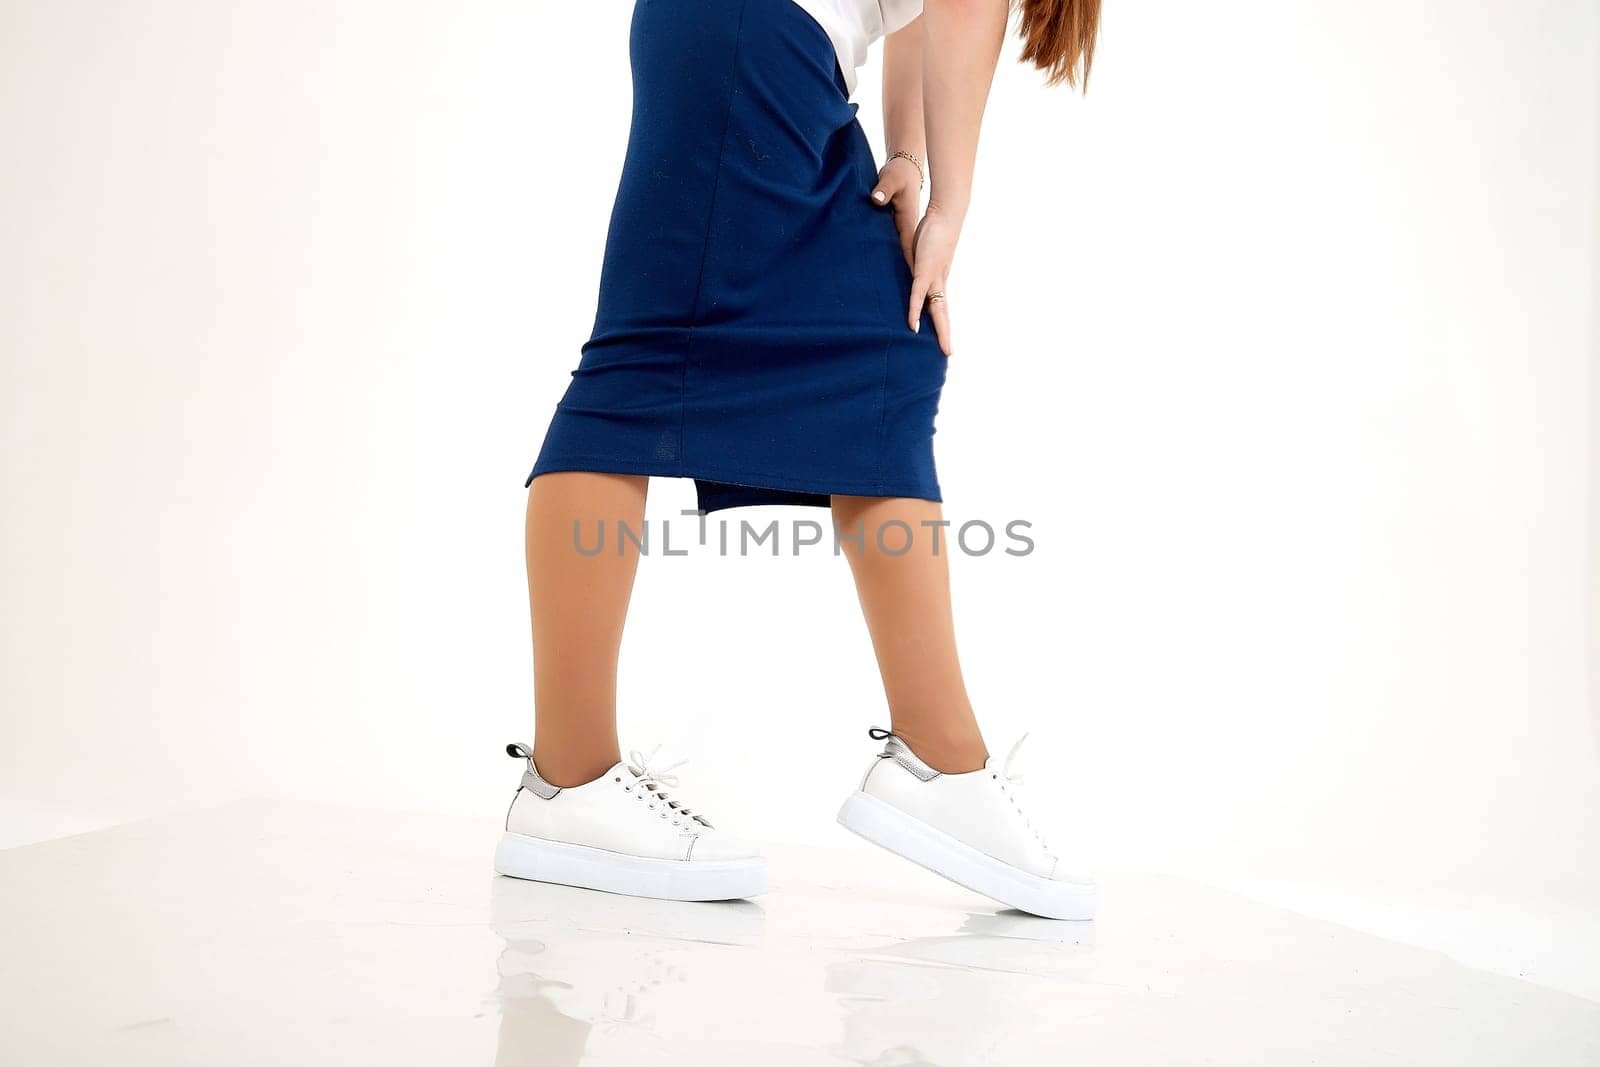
[(922, 175)]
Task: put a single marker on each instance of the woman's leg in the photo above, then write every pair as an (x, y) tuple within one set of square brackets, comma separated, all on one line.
[(906, 599), (578, 600)]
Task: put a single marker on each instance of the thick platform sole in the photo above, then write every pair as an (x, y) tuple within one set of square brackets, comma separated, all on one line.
[(910, 838), (538, 860)]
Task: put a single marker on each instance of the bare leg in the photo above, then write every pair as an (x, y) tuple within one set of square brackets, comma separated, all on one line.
[(578, 601), (906, 600)]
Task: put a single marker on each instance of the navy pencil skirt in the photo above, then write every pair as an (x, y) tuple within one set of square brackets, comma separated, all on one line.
[(751, 329)]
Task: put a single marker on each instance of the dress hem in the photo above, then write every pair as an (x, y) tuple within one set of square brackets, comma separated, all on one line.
[(739, 478)]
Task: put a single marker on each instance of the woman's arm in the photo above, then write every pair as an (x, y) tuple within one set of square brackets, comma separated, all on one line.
[(961, 43), (960, 46), (900, 181), (902, 91)]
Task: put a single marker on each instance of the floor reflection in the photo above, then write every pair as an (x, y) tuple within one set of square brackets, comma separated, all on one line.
[(577, 962), (950, 1001), (586, 977), (327, 935)]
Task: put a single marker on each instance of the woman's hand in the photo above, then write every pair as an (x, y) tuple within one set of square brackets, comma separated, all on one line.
[(899, 188), (932, 249)]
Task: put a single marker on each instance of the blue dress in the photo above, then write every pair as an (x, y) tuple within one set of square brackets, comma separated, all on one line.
[(751, 329)]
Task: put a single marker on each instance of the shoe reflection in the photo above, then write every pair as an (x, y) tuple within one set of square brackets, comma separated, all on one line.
[(591, 978), (576, 960), (957, 997)]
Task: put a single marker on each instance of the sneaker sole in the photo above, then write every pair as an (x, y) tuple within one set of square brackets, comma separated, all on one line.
[(537, 860), (910, 838)]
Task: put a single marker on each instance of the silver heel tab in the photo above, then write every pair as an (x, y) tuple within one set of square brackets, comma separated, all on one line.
[(896, 749), (530, 776)]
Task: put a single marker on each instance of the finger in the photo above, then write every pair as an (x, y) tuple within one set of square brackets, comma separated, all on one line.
[(887, 191), (919, 293), (939, 311), (905, 221)]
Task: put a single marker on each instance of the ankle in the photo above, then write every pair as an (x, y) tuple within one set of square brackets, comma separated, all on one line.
[(568, 770), (946, 751)]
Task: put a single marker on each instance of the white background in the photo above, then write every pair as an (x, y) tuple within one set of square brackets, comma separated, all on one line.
[(1284, 339)]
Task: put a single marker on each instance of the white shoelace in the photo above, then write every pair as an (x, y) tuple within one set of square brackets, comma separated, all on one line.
[(1015, 781), (1011, 757), (657, 780)]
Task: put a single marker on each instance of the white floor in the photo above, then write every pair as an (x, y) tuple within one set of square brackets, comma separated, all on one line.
[(283, 934)]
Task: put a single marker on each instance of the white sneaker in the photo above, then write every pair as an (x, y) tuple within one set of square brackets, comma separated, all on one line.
[(623, 833), (967, 827)]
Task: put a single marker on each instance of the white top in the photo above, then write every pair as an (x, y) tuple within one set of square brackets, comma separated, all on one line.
[(852, 26)]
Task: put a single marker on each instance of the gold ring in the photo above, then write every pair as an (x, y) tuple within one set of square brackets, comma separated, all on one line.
[(936, 296)]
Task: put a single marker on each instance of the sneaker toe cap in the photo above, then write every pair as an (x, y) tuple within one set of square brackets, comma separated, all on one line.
[(1066, 871), (715, 845)]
